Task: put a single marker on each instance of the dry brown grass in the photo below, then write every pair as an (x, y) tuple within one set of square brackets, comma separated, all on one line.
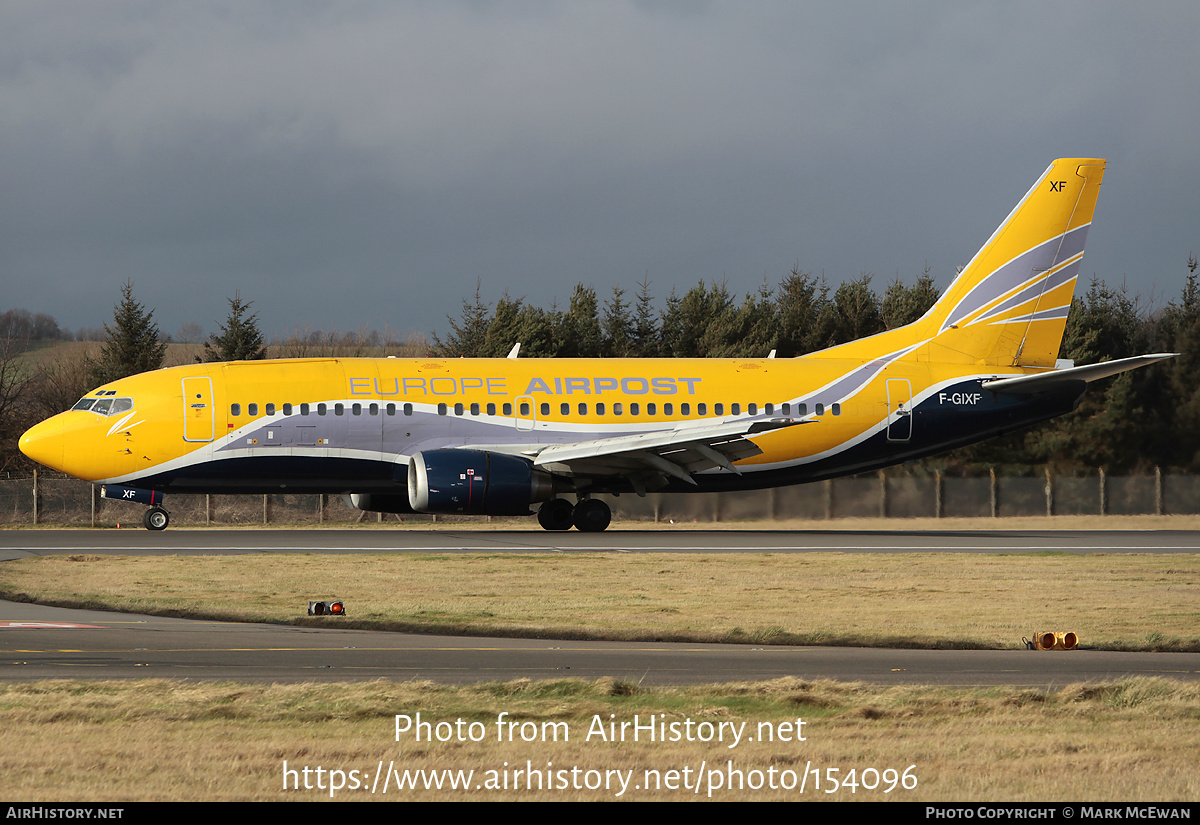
[(941, 600), (161, 740)]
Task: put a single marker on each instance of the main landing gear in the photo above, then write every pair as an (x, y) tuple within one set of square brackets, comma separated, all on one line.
[(156, 518), (590, 515)]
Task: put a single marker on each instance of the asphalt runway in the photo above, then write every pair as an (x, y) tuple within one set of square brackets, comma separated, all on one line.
[(135, 542), (38, 642)]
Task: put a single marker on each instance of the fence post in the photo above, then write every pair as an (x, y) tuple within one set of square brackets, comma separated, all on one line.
[(266, 509), (1049, 493), (1158, 492), (1103, 503), (937, 493), (93, 495), (883, 511), (992, 493), (35, 495)]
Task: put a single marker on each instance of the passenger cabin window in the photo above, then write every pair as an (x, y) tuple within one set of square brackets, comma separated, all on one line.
[(235, 409), (252, 409), (270, 409), (287, 409)]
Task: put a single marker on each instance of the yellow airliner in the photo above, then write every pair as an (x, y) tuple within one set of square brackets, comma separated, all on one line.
[(495, 436)]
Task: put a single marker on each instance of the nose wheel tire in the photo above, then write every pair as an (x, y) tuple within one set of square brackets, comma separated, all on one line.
[(156, 518), (591, 515)]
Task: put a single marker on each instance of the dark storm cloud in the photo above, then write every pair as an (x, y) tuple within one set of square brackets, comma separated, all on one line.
[(362, 164)]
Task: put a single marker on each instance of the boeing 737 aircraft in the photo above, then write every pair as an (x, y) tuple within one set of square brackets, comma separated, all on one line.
[(496, 436)]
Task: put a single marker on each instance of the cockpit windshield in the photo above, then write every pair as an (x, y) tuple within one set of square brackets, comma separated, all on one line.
[(104, 406)]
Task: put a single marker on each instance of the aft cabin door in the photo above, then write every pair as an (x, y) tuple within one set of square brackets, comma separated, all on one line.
[(899, 392), (198, 418)]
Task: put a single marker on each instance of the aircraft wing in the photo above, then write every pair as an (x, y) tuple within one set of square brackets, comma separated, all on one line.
[(647, 459), (1053, 379)]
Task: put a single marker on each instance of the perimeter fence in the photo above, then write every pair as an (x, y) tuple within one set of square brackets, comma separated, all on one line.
[(70, 502)]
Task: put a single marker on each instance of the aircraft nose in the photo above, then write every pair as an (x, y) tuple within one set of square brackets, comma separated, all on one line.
[(45, 442)]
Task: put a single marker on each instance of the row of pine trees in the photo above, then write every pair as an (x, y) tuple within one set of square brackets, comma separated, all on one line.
[(803, 314)]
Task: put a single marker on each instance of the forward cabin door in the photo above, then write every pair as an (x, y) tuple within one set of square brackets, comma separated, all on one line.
[(198, 415)]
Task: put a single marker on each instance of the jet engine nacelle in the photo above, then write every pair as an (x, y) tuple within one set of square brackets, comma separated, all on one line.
[(476, 482)]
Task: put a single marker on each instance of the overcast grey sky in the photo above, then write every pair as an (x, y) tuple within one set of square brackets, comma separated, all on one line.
[(351, 165)]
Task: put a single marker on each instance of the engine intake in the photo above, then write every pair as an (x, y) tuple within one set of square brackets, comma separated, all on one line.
[(476, 482)]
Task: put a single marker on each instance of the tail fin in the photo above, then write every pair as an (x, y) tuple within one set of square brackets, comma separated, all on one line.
[(1008, 307)]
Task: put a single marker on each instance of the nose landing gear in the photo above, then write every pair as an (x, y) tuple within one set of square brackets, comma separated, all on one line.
[(156, 518)]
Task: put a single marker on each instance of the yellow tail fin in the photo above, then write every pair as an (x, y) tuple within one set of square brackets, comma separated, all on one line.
[(1008, 307)]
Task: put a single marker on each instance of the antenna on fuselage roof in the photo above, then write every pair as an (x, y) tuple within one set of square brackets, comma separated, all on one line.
[(771, 354), (512, 353)]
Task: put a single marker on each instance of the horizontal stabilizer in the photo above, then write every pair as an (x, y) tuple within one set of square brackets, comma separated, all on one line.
[(1046, 381)]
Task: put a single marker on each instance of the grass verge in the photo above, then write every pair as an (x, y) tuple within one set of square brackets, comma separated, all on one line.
[(934, 600), (161, 740)]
